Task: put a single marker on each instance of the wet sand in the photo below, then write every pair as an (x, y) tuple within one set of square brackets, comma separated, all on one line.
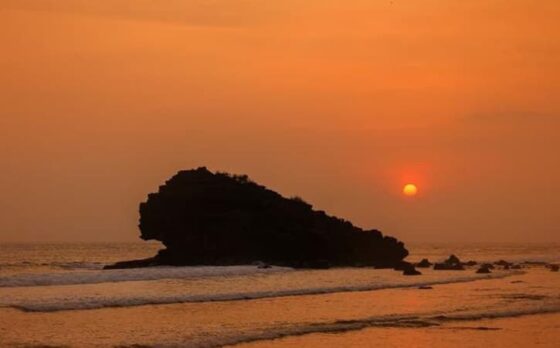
[(522, 332)]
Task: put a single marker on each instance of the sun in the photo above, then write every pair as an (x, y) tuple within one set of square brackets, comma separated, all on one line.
[(410, 190)]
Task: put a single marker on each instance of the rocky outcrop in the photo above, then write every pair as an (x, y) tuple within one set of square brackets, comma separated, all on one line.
[(410, 270), (452, 259), (425, 263), (206, 218), (484, 269), (451, 264)]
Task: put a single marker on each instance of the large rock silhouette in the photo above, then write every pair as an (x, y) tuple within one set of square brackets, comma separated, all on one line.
[(206, 218)]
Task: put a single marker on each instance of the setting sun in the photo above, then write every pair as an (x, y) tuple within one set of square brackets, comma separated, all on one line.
[(410, 190)]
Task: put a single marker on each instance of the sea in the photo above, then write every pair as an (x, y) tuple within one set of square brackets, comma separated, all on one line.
[(58, 295)]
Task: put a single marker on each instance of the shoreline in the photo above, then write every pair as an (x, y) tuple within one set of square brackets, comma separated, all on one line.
[(96, 308), (306, 320), (518, 331)]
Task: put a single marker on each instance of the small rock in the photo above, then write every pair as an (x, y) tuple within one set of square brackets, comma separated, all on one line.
[(451, 264), (409, 269), (425, 263), (554, 268), (425, 287), (484, 269), (452, 260), (411, 272)]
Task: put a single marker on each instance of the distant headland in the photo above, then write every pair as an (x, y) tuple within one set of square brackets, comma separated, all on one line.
[(205, 218)]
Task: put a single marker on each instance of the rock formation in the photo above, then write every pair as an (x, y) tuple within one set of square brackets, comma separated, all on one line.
[(451, 264), (425, 263), (484, 269), (206, 218), (409, 270)]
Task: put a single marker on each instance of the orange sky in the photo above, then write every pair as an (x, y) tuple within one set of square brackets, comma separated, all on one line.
[(341, 102)]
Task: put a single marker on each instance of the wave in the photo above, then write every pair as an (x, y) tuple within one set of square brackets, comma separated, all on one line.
[(130, 301), (394, 321), (124, 275), (73, 265)]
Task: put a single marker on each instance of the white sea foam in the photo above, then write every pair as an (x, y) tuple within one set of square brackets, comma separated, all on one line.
[(136, 274), (82, 303)]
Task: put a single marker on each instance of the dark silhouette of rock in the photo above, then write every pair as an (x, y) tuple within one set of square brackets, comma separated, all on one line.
[(425, 287), (407, 268), (317, 264), (410, 270), (133, 264), (206, 218), (470, 263), (401, 265), (484, 269), (451, 264), (425, 263), (554, 268), (452, 259)]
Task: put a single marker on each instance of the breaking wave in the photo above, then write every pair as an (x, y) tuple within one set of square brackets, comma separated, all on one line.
[(137, 274), (64, 304), (74, 265)]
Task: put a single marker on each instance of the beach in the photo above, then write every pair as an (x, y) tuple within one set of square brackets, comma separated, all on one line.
[(526, 331), (76, 304)]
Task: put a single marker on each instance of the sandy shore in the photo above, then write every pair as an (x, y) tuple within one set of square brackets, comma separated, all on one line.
[(522, 332), (344, 319)]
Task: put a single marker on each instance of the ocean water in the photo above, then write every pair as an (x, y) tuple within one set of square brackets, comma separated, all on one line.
[(58, 295)]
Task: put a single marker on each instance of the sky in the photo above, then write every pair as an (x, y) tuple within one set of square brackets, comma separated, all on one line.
[(341, 102)]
